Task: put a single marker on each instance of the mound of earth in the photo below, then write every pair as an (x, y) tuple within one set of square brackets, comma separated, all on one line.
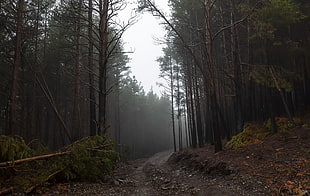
[(278, 165)]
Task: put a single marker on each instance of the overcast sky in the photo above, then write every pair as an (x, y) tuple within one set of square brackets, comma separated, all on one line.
[(141, 39)]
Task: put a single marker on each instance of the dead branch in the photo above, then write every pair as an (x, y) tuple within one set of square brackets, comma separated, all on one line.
[(44, 87), (10, 163), (29, 190)]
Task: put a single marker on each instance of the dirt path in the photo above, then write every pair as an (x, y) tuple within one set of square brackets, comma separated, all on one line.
[(154, 176), (130, 179), (140, 178)]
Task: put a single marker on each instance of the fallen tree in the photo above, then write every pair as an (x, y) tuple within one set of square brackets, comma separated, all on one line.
[(70, 163), (19, 161)]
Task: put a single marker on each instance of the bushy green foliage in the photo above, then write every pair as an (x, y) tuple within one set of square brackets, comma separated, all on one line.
[(281, 12), (37, 148), (273, 15), (252, 133), (90, 159), (13, 148), (262, 74)]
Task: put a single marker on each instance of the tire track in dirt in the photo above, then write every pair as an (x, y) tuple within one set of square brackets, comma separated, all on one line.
[(143, 183)]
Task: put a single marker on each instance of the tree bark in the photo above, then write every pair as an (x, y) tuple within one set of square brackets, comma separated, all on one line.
[(193, 117), (172, 104), (12, 102), (198, 109), (237, 73), (76, 120), (209, 72), (92, 98), (179, 108), (103, 61), (117, 114)]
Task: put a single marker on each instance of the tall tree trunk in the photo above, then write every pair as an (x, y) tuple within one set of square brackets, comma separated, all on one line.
[(185, 126), (237, 73), (11, 123), (198, 110), (179, 109), (210, 74), (103, 61), (193, 117), (76, 120), (117, 111), (172, 104), (92, 98), (188, 110), (273, 123), (117, 117)]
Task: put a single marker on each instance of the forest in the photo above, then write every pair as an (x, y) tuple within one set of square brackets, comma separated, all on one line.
[(233, 62), (64, 77), (64, 72)]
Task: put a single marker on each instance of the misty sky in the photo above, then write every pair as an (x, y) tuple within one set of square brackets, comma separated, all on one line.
[(141, 38)]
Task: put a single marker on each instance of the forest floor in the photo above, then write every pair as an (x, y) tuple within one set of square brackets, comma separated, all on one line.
[(279, 165)]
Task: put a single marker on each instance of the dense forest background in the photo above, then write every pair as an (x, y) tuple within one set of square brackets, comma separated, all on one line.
[(231, 62), (63, 73), (63, 76)]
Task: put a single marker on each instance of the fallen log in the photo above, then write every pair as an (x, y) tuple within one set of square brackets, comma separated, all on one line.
[(19, 161)]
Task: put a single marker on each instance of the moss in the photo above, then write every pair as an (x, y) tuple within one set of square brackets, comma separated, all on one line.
[(252, 133), (256, 132)]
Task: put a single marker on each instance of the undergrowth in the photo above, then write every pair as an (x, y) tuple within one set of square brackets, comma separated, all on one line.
[(91, 159), (254, 132)]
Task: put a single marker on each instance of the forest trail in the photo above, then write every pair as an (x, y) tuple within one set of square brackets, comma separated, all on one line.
[(140, 177), (278, 165), (154, 176), (129, 179)]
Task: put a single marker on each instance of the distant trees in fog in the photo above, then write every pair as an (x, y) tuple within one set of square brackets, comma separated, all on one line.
[(63, 75)]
